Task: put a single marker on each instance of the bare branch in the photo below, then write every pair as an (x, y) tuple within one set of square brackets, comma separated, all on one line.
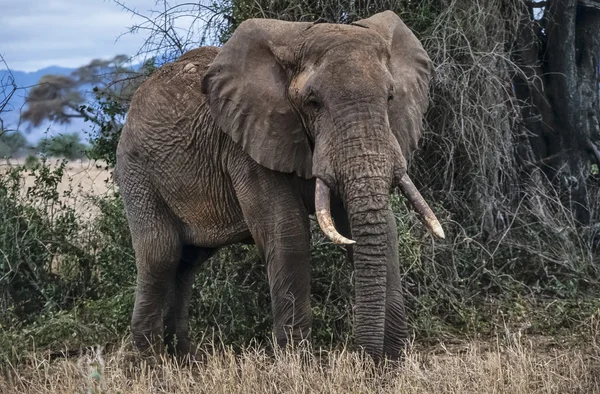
[(590, 4), (202, 26), (595, 151), (8, 87)]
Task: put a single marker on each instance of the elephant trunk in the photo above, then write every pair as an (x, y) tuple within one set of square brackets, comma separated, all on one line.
[(363, 168), (367, 201)]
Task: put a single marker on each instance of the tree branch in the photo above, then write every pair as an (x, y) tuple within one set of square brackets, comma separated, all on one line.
[(590, 4), (595, 151), (10, 84), (82, 114)]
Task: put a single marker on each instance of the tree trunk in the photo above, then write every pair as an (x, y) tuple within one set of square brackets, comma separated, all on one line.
[(558, 91)]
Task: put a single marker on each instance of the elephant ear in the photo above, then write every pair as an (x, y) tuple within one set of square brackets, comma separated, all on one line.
[(246, 89), (411, 69)]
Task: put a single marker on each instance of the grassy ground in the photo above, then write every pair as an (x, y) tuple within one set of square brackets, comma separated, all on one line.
[(512, 364)]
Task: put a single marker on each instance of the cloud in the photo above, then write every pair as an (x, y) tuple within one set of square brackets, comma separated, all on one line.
[(39, 33)]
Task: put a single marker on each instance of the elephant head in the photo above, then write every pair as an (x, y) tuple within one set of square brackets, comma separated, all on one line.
[(343, 104)]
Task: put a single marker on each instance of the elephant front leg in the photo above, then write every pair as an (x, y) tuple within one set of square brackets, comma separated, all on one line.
[(277, 218), (147, 319), (286, 253)]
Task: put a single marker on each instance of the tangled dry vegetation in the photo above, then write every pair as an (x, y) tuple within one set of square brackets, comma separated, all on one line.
[(511, 231)]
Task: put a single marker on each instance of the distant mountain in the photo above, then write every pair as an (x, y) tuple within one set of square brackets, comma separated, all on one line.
[(26, 79)]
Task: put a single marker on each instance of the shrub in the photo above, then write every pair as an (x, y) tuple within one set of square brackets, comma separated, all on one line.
[(63, 145), (12, 143)]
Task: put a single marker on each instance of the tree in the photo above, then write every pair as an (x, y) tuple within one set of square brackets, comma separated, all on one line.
[(559, 92), (60, 98)]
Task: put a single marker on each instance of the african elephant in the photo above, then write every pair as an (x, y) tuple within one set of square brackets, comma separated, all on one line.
[(243, 143)]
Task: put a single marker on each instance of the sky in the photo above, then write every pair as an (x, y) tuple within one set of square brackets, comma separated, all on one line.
[(39, 33)]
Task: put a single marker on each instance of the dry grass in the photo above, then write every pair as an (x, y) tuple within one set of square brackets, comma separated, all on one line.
[(474, 368)]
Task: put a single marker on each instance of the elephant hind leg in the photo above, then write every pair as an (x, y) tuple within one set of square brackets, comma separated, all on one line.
[(176, 320), (158, 249)]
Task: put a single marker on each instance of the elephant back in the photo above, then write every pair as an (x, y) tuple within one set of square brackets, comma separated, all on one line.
[(170, 97)]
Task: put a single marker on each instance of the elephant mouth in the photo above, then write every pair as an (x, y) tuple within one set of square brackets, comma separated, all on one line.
[(323, 210)]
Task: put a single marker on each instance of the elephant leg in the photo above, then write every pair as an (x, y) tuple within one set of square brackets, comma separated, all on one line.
[(158, 252), (278, 220), (396, 329), (286, 253), (176, 321)]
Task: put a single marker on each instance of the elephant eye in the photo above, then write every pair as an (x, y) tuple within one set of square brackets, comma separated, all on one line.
[(390, 97), (313, 102)]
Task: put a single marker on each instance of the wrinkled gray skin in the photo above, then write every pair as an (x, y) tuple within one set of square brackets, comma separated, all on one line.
[(224, 145)]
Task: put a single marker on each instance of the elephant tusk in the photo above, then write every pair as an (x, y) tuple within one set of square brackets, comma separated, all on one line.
[(323, 210), (415, 198)]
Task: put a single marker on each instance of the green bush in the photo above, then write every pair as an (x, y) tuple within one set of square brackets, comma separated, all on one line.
[(41, 266), (31, 161), (63, 145), (12, 143)]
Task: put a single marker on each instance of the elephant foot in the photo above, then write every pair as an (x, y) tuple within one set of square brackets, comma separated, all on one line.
[(182, 352), (397, 353), (185, 351), (148, 345), (192, 357)]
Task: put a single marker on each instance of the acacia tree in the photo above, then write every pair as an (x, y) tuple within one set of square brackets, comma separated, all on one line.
[(98, 92), (60, 98), (63, 145), (12, 143)]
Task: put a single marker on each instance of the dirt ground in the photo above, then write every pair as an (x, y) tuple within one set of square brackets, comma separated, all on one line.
[(82, 178), (81, 173)]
